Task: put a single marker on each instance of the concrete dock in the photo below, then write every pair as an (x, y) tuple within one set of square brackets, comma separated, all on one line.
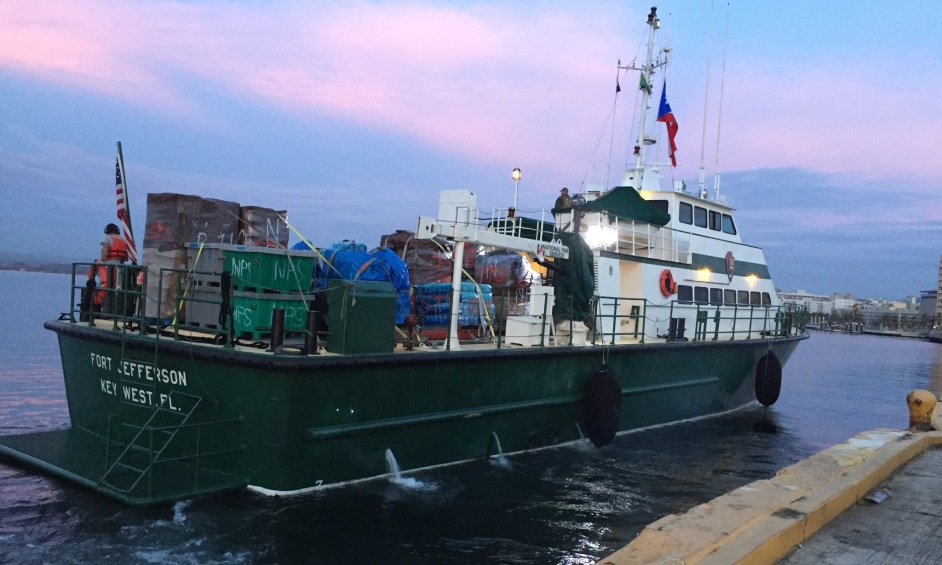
[(816, 511)]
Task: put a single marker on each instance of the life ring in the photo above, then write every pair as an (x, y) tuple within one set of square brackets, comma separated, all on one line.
[(601, 408), (768, 379), (95, 290), (668, 286)]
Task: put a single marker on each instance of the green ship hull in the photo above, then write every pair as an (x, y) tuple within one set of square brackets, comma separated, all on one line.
[(156, 420)]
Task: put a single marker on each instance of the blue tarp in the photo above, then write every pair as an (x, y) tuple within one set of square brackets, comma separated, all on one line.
[(379, 265)]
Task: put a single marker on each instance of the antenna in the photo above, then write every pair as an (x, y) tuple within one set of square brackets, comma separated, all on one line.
[(716, 166), (706, 100)]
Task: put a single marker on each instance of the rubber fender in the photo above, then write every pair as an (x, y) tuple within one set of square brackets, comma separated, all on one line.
[(768, 379), (601, 408)]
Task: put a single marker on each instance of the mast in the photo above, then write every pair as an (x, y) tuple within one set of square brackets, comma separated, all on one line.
[(647, 70), (719, 119), (706, 99)]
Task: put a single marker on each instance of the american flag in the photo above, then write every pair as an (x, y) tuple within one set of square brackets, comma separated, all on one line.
[(124, 214)]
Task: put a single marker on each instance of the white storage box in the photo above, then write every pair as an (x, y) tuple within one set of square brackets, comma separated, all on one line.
[(525, 330)]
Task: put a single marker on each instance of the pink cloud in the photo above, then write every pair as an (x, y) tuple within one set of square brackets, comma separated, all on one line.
[(492, 82), (831, 119), (483, 81)]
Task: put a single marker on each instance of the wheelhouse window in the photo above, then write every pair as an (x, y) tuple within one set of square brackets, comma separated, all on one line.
[(716, 219), (729, 296), (755, 298), (701, 294), (684, 293), (716, 296), (659, 205), (743, 296), (686, 213), (728, 225), (699, 217), (766, 299)]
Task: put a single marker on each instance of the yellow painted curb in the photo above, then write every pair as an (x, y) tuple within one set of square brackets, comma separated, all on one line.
[(762, 521)]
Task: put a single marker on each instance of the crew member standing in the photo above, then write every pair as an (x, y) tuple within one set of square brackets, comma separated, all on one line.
[(113, 250), (564, 202), (113, 246)]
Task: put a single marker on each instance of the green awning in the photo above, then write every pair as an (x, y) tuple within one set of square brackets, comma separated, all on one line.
[(625, 202)]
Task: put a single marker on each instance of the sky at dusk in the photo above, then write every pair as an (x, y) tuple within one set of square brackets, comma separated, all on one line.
[(354, 115)]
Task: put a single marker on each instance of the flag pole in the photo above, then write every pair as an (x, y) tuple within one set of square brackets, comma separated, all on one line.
[(126, 208), (124, 182)]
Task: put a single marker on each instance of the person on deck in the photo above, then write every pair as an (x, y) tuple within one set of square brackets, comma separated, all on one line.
[(113, 246), (114, 249), (564, 202)]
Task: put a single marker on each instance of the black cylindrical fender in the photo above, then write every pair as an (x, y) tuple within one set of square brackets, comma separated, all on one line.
[(768, 379), (601, 408)]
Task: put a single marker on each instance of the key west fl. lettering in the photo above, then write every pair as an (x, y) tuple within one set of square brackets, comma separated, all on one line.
[(131, 371)]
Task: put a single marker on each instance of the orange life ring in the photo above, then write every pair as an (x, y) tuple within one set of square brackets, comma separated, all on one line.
[(97, 269), (668, 286)]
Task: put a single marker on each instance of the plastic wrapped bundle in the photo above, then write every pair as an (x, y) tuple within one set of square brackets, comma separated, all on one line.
[(433, 303), (505, 271), (173, 220), (262, 227)]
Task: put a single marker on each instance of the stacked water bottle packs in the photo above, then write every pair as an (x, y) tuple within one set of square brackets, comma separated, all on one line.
[(433, 304)]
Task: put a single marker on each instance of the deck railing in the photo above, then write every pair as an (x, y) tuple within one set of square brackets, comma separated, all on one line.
[(118, 299), (625, 319), (640, 239), (614, 319)]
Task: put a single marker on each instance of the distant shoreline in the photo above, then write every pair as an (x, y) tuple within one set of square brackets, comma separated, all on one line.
[(60, 268)]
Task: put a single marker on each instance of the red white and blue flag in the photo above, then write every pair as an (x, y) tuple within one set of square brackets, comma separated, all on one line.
[(665, 115), (124, 214)]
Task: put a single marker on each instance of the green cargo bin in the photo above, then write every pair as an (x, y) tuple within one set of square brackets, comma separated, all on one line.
[(253, 269), (361, 317), (260, 269), (251, 313)]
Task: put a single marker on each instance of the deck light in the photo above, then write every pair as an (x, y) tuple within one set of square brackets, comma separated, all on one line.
[(516, 176), (599, 237)]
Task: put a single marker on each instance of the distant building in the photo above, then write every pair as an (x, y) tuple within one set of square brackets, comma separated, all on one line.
[(928, 303), (846, 302), (938, 303), (815, 303)]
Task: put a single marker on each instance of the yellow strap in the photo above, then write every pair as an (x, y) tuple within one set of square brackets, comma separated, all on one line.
[(309, 244), (185, 290), (363, 268)]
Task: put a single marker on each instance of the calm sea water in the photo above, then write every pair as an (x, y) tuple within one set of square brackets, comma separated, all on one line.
[(572, 504)]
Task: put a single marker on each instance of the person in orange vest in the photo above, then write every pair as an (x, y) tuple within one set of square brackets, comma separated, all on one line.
[(113, 250), (113, 246)]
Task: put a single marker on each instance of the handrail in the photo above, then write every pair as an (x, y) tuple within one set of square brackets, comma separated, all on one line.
[(641, 239), (709, 321), (123, 295)]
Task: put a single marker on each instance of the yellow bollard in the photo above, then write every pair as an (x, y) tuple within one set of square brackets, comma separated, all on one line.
[(921, 404)]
